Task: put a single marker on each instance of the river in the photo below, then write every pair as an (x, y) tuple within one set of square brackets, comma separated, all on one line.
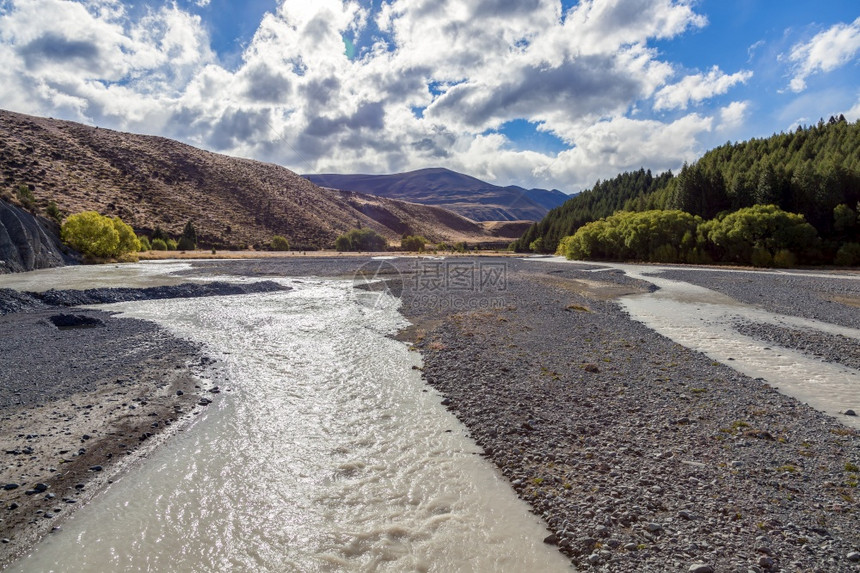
[(325, 452), (703, 320)]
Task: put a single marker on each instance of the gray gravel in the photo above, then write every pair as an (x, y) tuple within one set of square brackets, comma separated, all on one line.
[(784, 292), (828, 347), (40, 362), (639, 454), (642, 455)]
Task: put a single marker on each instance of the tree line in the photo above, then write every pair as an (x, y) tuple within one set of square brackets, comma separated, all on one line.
[(813, 172)]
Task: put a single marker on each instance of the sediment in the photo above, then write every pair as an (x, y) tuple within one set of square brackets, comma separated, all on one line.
[(84, 395), (639, 454)]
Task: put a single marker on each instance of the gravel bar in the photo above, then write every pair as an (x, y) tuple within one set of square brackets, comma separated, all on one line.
[(640, 454), (835, 300), (827, 347)]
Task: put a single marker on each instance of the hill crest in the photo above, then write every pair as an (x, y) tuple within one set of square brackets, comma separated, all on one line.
[(152, 181), (463, 194)]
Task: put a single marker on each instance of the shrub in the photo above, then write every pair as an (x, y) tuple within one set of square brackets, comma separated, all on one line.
[(54, 212), (171, 244), (761, 227), (848, 255), (784, 259), (26, 197), (95, 235), (159, 245), (361, 240), (144, 243), (536, 246), (413, 243), (761, 257), (280, 243)]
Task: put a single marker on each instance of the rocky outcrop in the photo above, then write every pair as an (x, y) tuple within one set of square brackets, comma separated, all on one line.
[(26, 242)]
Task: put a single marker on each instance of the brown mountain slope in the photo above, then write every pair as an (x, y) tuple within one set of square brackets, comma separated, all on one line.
[(153, 181), (471, 197)]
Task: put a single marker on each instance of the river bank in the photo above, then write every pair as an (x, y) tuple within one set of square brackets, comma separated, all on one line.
[(638, 453), (84, 397)]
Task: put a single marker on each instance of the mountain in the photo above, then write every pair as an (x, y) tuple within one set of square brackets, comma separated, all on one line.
[(152, 181), (468, 196)]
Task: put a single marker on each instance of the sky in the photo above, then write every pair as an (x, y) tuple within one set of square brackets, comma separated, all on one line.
[(537, 93)]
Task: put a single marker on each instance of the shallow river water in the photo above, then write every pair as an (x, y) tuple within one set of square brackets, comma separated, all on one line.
[(325, 451), (702, 319)]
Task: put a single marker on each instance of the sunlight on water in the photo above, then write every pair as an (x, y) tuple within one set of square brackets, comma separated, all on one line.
[(327, 453), (79, 277)]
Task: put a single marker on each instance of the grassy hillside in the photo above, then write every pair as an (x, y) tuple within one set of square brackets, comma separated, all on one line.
[(152, 181)]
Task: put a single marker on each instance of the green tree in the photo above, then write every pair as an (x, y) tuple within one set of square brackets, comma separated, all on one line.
[(188, 238), (844, 220), (280, 243), (159, 233), (128, 241), (413, 243), (95, 235), (145, 245), (759, 229), (159, 245)]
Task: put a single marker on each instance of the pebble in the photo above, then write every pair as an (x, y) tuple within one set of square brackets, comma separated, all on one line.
[(665, 453)]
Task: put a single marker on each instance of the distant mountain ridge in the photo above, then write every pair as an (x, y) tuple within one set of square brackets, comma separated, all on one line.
[(463, 194), (153, 181)]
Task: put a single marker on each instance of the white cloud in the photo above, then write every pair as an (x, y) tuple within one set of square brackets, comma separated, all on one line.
[(828, 50), (295, 97), (698, 87), (609, 147), (853, 114), (733, 115)]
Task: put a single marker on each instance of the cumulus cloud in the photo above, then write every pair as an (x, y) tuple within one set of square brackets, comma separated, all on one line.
[(698, 87), (853, 114), (607, 148), (733, 115), (827, 51), (430, 88)]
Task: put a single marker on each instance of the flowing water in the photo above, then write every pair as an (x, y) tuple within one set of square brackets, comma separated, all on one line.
[(326, 452), (702, 320)]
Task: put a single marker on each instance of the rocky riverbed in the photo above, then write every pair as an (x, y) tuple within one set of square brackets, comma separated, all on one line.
[(639, 454), (84, 395), (805, 294), (828, 347)]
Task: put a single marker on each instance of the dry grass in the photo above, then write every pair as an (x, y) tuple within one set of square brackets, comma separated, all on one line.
[(152, 181)]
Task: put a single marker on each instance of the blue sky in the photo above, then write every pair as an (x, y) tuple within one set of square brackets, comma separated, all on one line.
[(530, 92)]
